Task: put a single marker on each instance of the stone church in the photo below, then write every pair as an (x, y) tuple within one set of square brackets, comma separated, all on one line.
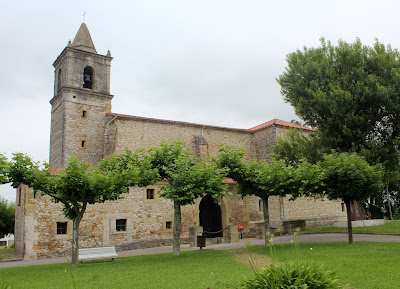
[(83, 124)]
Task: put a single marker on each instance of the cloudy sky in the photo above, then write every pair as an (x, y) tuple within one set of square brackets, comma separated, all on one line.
[(210, 61)]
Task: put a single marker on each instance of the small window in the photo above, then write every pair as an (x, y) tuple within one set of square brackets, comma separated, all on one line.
[(260, 205), (83, 113), (83, 143), (343, 207), (74, 96), (61, 228), (88, 77), (120, 225), (150, 194), (168, 225)]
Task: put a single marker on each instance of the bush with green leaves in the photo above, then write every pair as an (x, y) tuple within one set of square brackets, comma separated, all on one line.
[(293, 276)]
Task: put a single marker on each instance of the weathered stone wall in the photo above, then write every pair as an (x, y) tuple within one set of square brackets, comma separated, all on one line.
[(79, 114), (316, 212), (72, 63), (138, 133), (57, 134), (88, 129), (262, 142), (146, 222)]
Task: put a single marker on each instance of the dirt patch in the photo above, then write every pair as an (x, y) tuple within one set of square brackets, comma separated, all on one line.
[(259, 261)]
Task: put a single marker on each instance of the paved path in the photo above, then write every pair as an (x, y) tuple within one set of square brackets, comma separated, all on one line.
[(303, 238)]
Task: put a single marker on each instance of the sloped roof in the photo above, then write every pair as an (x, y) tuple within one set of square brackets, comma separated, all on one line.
[(83, 40), (176, 122), (279, 122), (253, 129)]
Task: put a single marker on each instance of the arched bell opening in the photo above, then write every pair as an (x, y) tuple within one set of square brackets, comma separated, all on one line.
[(210, 217), (88, 77)]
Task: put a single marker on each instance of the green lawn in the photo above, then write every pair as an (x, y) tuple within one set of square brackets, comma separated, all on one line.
[(8, 250), (194, 269), (363, 265), (387, 228)]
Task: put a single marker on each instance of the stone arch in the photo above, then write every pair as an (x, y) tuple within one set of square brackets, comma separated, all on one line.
[(88, 75), (210, 217), (224, 213)]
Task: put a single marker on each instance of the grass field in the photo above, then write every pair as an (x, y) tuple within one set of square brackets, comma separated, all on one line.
[(387, 228), (363, 265), (8, 250), (195, 269)]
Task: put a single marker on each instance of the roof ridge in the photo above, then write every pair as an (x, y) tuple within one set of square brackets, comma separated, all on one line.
[(274, 121)]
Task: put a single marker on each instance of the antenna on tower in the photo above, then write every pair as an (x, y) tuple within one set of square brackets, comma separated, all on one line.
[(84, 16)]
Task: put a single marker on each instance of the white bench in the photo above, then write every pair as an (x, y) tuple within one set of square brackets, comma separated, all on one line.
[(97, 253)]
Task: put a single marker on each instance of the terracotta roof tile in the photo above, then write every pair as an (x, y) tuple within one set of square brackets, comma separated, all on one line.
[(228, 181), (280, 123)]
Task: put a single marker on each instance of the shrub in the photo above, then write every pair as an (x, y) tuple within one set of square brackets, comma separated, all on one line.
[(293, 276)]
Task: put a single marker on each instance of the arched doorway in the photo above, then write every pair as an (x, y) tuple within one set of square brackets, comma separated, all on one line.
[(210, 217)]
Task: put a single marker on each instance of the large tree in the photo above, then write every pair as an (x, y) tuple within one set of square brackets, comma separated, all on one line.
[(188, 178), (349, 92), (349, 177), (75, 187)]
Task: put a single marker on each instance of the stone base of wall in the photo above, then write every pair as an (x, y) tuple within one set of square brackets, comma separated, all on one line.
[(327, 221), (288, 226), (362, 223), (143, 244)]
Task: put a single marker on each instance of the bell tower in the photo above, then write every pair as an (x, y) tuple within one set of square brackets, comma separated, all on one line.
[(80, 103)]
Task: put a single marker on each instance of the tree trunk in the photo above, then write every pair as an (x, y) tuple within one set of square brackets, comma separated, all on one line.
[(177, 228), (349, 227), (357, 211), (266, 218), (389, 202), (75, 239)]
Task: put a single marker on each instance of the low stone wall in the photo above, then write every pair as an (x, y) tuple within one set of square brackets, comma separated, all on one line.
[(360, 223)]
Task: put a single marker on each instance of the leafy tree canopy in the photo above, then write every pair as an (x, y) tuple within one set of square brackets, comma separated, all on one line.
[(3, 169), (7, 217), (350, 93), (264, 179), (189, 177), (295, 146), (76, 186), (349, 177)]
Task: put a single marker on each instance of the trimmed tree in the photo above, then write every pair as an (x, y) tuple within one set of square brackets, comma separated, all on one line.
[(264, 179), (188, 177), (75, 187), (349, 177)]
